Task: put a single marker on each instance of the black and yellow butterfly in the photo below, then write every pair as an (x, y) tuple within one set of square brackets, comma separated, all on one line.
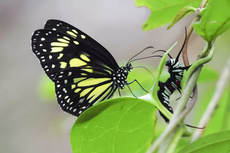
[(84, 72)]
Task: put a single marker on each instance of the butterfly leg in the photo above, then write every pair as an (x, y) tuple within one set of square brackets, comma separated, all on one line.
[(180, 93), (138, 83), (119, 92), (131, 91)]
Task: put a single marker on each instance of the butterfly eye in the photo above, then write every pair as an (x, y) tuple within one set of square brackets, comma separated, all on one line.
[(129, 66), (168, 62)]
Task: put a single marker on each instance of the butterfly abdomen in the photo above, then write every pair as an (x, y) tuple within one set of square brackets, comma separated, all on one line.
[(175, 69)]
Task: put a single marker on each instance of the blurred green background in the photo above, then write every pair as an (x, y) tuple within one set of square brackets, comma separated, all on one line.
[(32, 122)]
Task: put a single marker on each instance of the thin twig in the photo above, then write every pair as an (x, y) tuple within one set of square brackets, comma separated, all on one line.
[(184, 51), (211, 109), (189, 32)]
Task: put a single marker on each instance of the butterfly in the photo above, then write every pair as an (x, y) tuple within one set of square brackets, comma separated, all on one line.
[(176, 71), (83, 71)]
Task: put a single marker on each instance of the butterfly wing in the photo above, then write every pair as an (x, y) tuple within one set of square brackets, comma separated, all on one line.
[(77, 89), (73, 32), (79, 66)]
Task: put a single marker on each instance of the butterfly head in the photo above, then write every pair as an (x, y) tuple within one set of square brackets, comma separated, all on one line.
[(169, 62), (173, 64), (128, 67)]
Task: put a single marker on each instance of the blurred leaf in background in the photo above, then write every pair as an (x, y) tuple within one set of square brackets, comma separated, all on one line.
[(215, 20), (164, 11), (208, 74), (213, 143), (46, 89)]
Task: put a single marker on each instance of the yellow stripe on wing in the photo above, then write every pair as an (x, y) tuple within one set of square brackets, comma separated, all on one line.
[(76, 62), (99, 90), (85, 92), (92, 81)]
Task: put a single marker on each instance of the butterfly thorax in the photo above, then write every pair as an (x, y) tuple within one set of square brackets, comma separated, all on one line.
[(175, 69), (120, 76)]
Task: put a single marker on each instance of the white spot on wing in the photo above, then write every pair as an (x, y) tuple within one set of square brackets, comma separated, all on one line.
[(65, 81)]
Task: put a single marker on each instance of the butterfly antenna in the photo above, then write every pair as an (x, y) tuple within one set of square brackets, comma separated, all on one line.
[(145, 69), (144, 58), (194, 126), (177, 58), (162, 51), (139, 53)]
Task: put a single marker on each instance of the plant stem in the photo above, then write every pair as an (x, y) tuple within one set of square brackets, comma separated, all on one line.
[(189, 32), (221, 84), (172, 125), (173, 132)]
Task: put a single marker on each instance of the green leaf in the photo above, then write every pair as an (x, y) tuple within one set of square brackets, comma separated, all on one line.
[(215, 19), (120, 125), (164, 11), (185, 10), (218, 142), (162, 62)]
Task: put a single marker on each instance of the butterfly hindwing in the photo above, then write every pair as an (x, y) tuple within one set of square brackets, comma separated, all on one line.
[(78, 89)]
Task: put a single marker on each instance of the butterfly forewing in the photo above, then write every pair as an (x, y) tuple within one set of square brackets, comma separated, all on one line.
[(57, 51), (77, 34), (79, 66)]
